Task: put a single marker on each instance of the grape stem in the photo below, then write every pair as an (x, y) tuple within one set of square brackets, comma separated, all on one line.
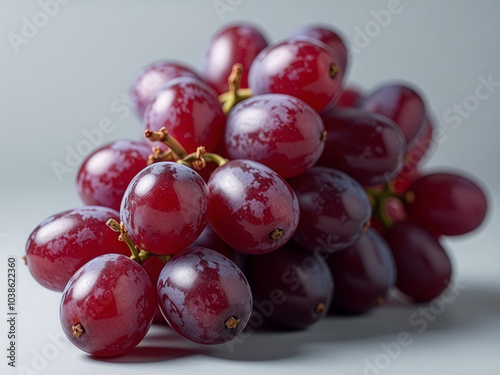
[(178, 152), (379, 198), (160, 155), (198, 160), (235, 94), (138, 254)]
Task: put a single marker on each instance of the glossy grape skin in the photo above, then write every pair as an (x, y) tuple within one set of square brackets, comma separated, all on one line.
[(114, 301), (151, 78), (329, 37), (250, 205), (446, 204), (190, 111), (368, 147), (64, 242), (401, 104), (105, 174), (209, 239), (300, 68), (334, 209), (239, 43), (277, 130), (423, 268), (199, 290), (363, 274), (165, 208), (292, 287)]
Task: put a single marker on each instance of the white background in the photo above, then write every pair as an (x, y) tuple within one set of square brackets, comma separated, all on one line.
[(72, 73)]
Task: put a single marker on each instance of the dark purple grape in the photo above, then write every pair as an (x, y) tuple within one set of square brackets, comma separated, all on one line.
[(165, 208), (292, 287), (204, 296), (303, 68), (108, 305), (277, 130), (150, 79), (401, 104), (363, 274), (334, 209), (64, 242), (252, 208), (240, 43), (446, 204), (105, 174), (368, 147), (423, 268)]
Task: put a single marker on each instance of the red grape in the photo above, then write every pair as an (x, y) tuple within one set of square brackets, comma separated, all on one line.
[(334, 209), (277, 130), (204, 296), (235, 44), (368, 147), (303, 68), (190, 111), (422, 266), (253, 209), (108, 305), (349, 98), (64, 242), (152, 78), (105, 174), (165, 208), (329, 37), (446, 204)]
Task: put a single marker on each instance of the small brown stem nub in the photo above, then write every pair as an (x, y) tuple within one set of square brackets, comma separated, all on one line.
[(334, 70), (166, 138), (232, 322), (409, 197), (160, 155), (320, 308), (324, 136), (78, 330), (25, 260), (198, 160), (276, 234), (366, 225)]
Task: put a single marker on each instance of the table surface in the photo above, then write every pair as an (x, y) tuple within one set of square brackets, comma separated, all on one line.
[(66, 68)]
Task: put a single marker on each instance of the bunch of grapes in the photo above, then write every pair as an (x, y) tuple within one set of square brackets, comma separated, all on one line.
[(264, 185)]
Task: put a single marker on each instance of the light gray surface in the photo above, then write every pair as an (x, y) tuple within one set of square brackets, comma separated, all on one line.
[(71, 75)]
